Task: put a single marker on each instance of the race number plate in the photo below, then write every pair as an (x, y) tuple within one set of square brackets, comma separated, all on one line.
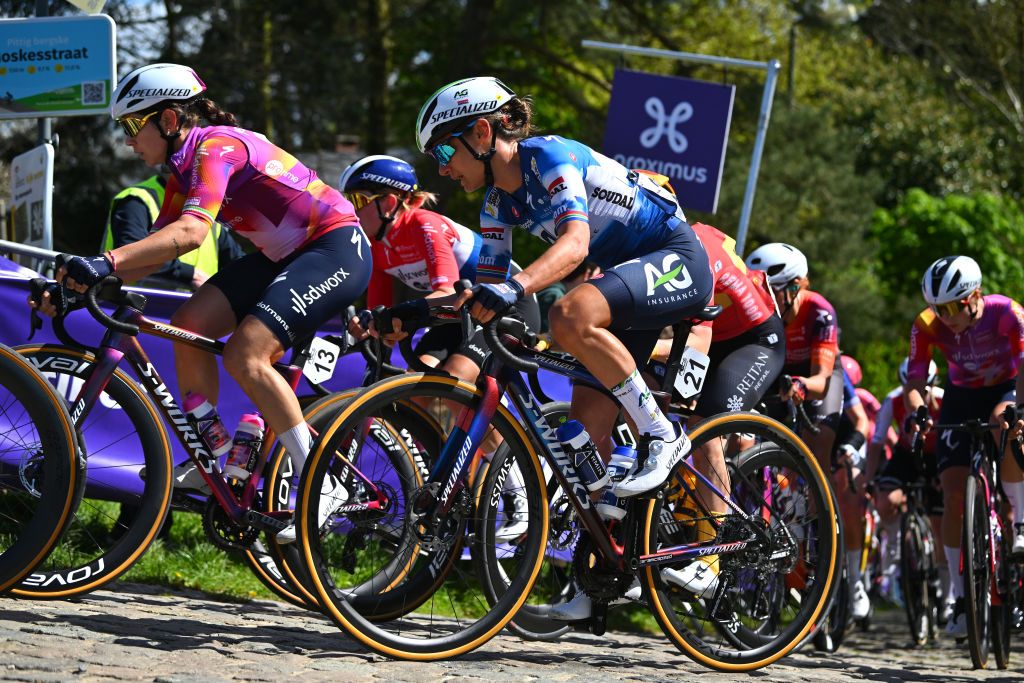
[(323, 356), (693, 368)]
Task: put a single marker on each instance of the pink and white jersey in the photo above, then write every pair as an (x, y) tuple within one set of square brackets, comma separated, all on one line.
[(987, 353), (242, 180), (425, 251)]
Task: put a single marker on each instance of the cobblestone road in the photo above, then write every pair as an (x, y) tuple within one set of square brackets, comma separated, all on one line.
[(145, 633)]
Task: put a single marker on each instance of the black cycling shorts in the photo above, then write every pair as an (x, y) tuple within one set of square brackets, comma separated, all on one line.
[(743, 369), (958, 405), (293, 297), (656, 290), (899, 472)]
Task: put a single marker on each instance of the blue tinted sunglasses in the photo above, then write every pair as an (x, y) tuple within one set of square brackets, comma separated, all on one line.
[(444, 151)]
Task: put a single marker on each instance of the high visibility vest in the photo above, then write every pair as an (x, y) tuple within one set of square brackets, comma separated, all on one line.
[(151, 193)]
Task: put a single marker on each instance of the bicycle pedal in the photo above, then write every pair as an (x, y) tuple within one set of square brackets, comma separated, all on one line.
[(599, 619), (265, 522)]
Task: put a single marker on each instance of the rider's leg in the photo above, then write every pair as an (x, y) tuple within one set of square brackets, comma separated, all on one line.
[(207, 312), (954, 481), (1012, 480)]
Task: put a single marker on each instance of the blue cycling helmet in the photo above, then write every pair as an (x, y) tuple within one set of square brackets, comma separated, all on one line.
[(379, 173)]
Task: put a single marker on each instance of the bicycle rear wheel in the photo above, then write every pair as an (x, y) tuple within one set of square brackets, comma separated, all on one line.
[(39, 467), (770, 594), (426, 602), (121, 512), (917, 576), (977, 571)]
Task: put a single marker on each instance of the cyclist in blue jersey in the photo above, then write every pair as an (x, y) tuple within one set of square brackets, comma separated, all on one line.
[(586, 206)]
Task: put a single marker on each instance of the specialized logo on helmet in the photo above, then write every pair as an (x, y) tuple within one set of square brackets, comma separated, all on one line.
[(160, 92), (466, 109), (384, 180), (674, 278), (665, 126)]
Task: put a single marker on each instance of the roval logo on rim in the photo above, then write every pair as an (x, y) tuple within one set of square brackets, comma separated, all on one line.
[(665, 126)]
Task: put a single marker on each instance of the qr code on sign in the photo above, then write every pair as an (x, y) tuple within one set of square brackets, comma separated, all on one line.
[(94, 92)]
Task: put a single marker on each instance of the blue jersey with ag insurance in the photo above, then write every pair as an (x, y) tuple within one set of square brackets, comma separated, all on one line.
[(564, 181)]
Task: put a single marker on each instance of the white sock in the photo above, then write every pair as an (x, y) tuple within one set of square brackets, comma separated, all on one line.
[(956, 579), (635, 396), (297, 441), (1015, 492), (853, 566)]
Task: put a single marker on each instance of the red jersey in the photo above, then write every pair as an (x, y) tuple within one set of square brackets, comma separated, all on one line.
[(743, 294), (425, 251), (812, 337)]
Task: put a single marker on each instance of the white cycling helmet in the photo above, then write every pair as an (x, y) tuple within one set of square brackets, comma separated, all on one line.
[(456, 105), (933, 371), (781, 262), (150, 86), (951, 278)]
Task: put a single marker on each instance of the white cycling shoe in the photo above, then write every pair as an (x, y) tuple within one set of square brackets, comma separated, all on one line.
[(662, 456), (333, 495), (700, 577), (186, 477), (581, 606), (860, 603), (956, 627), (516, 518), (1017, 551)]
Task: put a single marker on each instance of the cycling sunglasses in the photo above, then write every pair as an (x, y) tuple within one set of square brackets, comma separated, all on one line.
[(444, 151), (360, 200), (792, 288), (950, 308), (131, 125)]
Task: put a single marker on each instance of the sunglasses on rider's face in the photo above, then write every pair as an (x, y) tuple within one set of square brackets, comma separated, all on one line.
[(791, 288), (949, 309), (132, 125), (359, 200), (444, 151)]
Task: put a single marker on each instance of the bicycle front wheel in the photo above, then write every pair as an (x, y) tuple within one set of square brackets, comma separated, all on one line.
[(128, 480), (426, 601), (977, 574), (769, 594), (39, 467)]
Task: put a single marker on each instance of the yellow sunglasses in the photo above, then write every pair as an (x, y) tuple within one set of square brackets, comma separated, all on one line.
[(131, 125), (360, 200), (949, 309)]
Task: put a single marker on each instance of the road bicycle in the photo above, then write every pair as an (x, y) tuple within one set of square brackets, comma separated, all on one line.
[(128, 488), (919, 567), (469, 602), (985, 544), (40, 469)]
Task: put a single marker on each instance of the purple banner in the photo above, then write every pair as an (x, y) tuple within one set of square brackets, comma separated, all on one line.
[(677, 127)]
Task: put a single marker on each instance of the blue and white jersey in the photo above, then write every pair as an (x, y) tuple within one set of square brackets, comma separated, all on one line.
[(564, 181)]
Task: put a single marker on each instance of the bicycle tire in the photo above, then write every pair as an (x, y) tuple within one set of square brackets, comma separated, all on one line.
[(410, 436), (977, 575), (103, 539), (40, 468), (422, 635), (917, 569), (832, 630), (690, 627), (530, 622), (1002, 613)]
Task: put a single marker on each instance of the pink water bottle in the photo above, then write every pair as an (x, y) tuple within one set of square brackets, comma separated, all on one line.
[(245, 447), (206, 421)]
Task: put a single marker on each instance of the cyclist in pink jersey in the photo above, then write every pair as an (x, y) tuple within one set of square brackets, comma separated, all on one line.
[(982, 339), (312, 257)]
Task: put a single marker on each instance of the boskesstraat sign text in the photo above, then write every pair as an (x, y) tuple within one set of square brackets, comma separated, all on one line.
[(677, 127)]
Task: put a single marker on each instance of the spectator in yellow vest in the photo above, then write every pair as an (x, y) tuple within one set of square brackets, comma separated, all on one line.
[(132, 213)]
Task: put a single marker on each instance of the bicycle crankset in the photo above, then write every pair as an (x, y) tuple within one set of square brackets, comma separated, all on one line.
[(223, 532)]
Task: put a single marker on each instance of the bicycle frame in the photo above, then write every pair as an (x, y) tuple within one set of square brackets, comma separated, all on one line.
[(116, 347), (471, 426)]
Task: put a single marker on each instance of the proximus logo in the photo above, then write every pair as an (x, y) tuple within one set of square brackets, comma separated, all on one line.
[(665, 125)]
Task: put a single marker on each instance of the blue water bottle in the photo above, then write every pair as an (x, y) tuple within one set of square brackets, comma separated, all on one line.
[(610, 506), (583, 454)]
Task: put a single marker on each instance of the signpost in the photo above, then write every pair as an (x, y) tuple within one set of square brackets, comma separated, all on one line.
[(677, 127), (56, 66), (771, 69), (32, 199)]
